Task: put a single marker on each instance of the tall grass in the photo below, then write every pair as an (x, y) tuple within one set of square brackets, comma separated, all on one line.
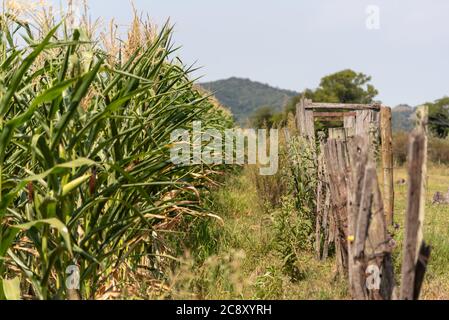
[(85, 173)]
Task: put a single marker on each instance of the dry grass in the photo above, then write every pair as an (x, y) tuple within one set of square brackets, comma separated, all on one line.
[(249, 265), (258, 274)]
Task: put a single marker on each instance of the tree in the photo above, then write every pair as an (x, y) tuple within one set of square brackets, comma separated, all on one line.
[(263, 117), (346, 86), (439, 117)]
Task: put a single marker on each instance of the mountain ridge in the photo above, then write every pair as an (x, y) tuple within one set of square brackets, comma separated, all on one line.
[(244, 96)]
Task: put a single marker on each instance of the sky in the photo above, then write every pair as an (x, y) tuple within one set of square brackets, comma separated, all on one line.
[(292, 44)]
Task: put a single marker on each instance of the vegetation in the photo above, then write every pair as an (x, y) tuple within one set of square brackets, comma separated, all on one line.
[(436, 226), (248, 261), (439, 117), (86, 178), (438, 149), (345, 86)]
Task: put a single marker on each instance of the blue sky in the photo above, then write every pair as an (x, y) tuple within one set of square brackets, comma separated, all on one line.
[(293, 43)]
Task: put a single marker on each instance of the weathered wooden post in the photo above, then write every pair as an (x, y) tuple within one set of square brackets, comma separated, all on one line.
[(305, 120), (301, 117), (371, 271), (337, 163), (415, 252), (387, 163)]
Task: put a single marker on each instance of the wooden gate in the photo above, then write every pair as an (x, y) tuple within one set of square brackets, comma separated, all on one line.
[(372, 122), (351, 211)]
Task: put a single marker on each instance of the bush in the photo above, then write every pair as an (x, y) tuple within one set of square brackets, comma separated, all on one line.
[(438, 149), (400, 148)]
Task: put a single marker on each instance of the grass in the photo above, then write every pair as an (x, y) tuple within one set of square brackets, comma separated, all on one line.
[(248, 234), (436, 230)]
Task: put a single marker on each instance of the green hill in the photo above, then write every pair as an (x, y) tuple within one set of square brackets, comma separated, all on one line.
[(244, 96)]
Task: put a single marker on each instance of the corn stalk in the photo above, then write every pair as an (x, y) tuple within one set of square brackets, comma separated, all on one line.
[(85, 174)]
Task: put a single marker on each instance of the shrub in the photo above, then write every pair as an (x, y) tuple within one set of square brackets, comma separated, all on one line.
[(400, 148), (438, 151)]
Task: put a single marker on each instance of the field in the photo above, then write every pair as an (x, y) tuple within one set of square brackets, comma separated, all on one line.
[(95, 204), (436, 230), (247, 241)]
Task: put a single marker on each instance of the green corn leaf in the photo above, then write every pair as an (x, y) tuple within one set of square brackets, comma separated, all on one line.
[(81, 91), (12, 89), (11, 288), (47, 96), (69, 187), (54, 223)]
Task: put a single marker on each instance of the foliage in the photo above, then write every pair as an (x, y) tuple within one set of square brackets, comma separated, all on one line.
[(400, 147), (438, 149), (264, 104), (85, 172), (262, 118), (293, 230), (247, 253), (345, 86), (294, 220), (439, 117)]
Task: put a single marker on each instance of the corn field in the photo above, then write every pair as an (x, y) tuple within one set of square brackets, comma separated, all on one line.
[(85, 174)]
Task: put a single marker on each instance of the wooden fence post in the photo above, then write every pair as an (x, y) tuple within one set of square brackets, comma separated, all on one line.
[(337, 163), (305, 120), (301, 117), (415, 252), (387, 163), (368, 241)]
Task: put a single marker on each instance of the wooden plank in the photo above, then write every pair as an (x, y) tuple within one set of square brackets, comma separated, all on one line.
[(344, 106), (378, 248), (362, 123), (415, 209), (364, 215), (337, 169), (337, 133), (328, 119), (358, 158), (326, 222), (421, 267), (333, 114), (305, 121), (309, 126), (300, 117), (349, 121), (387, 163), (368, 243), (320, 202)]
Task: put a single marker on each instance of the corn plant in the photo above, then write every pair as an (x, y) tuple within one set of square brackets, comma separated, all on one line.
[(85, 174)]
